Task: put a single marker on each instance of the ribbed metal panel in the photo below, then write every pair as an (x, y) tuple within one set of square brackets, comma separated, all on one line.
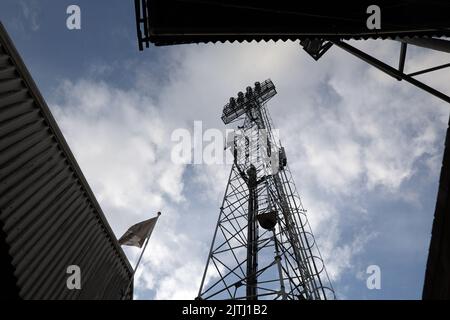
[(49, 214), (169, 22)]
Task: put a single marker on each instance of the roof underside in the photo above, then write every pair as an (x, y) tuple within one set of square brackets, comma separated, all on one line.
[(166, 22), (49, 216)]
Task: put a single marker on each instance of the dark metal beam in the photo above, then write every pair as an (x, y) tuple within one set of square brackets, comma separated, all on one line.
[(429, 43), (390, 70), (401, 62), (442, 66), (252, 236), (137, 9), (145, 21)]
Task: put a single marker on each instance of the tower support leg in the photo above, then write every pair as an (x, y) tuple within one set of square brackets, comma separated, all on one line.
[(252, 236)]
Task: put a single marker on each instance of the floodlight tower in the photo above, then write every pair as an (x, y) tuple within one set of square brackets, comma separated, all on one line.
[(263, 246)]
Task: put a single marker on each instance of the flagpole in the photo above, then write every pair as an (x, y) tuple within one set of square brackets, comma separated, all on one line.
[(137, 264)]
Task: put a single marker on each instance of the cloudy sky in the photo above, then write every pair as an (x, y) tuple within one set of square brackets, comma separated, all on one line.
[(364, 148)]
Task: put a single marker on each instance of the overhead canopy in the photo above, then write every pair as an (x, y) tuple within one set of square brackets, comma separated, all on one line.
[(165, 22)]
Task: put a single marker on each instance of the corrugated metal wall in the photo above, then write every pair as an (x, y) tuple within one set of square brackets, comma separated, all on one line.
[(50, 216)]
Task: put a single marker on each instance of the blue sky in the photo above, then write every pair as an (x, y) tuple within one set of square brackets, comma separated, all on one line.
[(365, 150)]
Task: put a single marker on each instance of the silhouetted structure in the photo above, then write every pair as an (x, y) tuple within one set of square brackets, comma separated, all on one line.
[(437, 276), (263, 247), (49, 217), (166, 22)]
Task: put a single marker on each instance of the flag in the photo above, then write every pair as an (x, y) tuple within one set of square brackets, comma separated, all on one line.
[(136, 234)]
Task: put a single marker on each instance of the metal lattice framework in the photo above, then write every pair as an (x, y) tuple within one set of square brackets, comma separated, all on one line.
[(263, 246)]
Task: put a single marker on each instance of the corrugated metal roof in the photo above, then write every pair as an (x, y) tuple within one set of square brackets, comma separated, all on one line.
[(49, 214), (168, 22)]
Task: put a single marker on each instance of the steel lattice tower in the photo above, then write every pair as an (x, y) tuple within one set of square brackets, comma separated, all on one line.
[(263, 246)]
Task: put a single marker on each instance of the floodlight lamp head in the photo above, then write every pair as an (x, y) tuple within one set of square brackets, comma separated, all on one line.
[(253, 97), (249, 92)]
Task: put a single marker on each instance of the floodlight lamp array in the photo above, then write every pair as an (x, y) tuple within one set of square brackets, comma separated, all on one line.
[(254, 97)]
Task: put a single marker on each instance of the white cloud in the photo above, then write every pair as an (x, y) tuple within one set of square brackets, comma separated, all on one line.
[(122, 143), (31, 10), (348, 131)]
